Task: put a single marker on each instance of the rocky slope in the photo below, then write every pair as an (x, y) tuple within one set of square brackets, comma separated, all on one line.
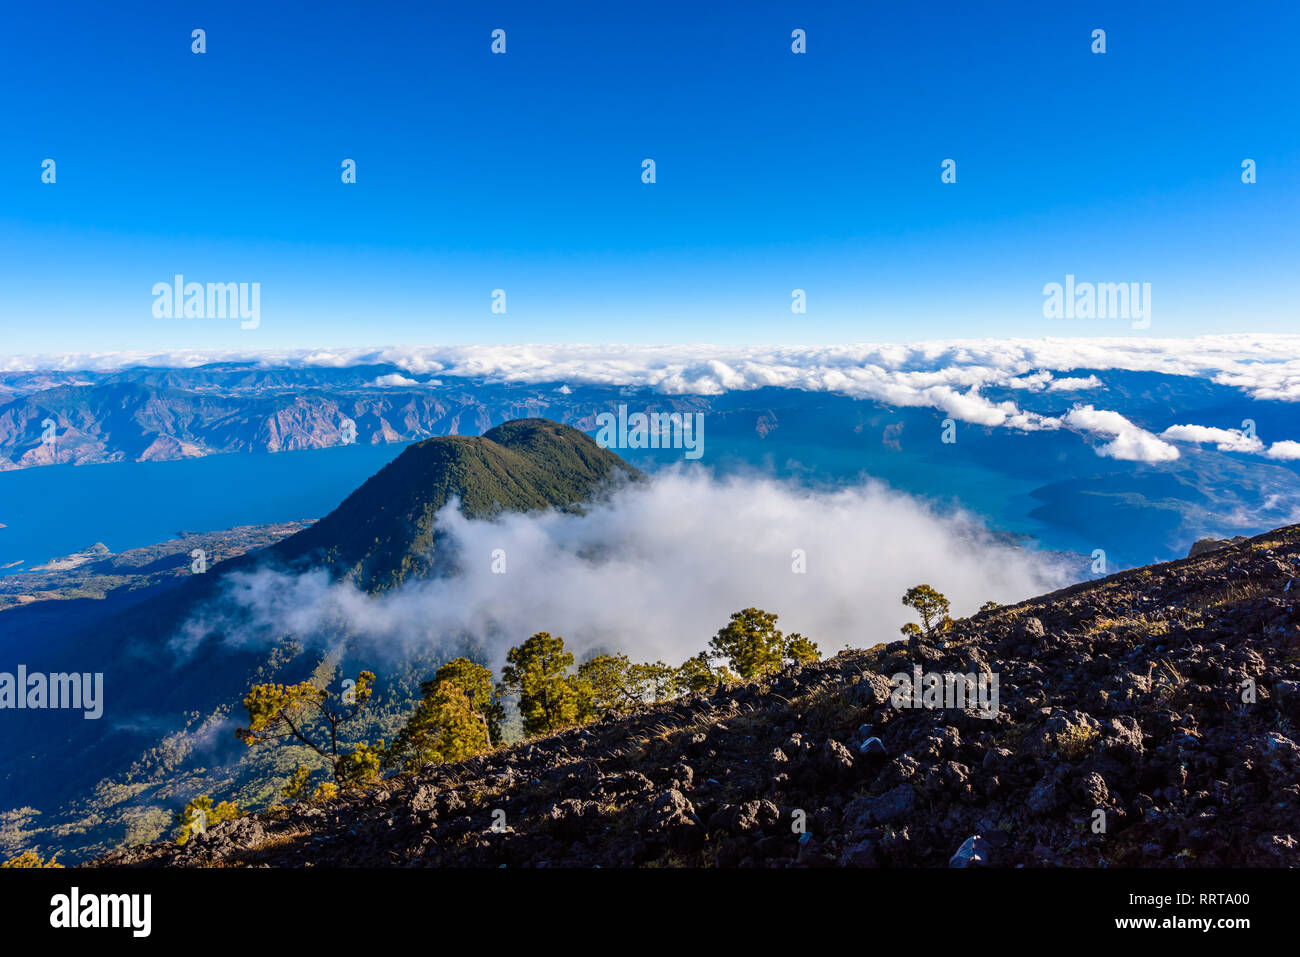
[(1146, 719)]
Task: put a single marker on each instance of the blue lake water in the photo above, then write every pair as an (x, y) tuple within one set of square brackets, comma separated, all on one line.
[(55, 510)]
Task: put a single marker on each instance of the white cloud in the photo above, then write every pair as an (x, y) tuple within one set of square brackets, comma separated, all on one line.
[(949, 376), (1074, 384), (394, 379), (1225, 440), (1035, 382), (1043, 381), (1286, 450), (657, 569), (1127, 441)]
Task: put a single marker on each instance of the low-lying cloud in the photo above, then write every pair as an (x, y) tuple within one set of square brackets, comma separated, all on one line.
[(1233, 440), (654, 571), (1127, 442)]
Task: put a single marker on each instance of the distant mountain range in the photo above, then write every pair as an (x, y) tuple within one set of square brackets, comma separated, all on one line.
[(157, 414), (165, 414)]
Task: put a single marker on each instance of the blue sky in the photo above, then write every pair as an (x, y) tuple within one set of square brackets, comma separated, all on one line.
[(523, 172)]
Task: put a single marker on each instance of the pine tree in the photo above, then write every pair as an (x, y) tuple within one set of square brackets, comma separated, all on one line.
[(751, 642), (606, 683), (476, 681), (931, 606), (309, 714), (446, 726), (538, 672), (656, 682), (201, 814), (698, 675), (801, 650)]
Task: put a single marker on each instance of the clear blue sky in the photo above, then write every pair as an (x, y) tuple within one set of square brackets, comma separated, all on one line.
[(522, 171)]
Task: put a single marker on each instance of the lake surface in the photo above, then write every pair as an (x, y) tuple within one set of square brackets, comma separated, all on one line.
[(52, 511)]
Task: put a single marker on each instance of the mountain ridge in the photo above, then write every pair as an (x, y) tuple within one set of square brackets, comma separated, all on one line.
[(384, 531)]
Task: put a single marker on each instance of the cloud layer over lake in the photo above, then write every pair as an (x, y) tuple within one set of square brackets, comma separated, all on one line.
[(655, 571)]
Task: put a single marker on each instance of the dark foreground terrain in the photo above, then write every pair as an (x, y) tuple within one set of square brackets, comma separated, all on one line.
[(1147, 719)]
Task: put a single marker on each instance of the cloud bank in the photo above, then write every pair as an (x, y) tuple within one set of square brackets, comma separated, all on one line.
[(1263, 366), (949, 376), (654, 572)]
